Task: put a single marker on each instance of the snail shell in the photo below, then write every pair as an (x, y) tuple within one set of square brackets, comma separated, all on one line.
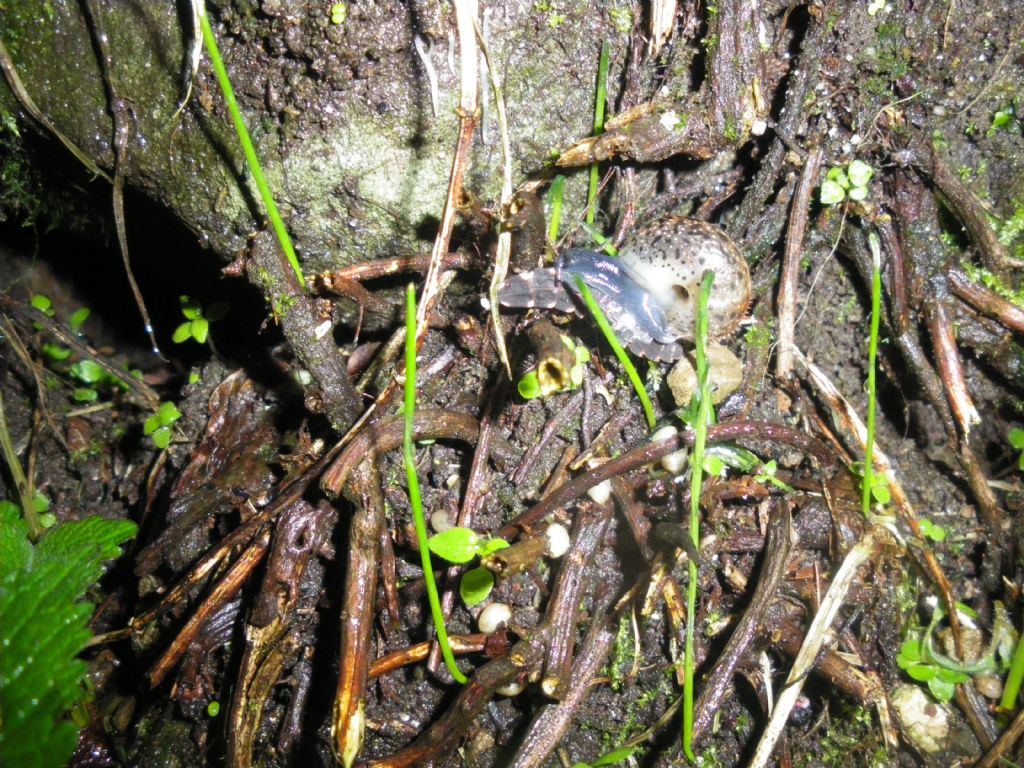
[(649, 293)]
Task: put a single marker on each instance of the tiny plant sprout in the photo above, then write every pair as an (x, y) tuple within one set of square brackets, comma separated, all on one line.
[(494, 617), (557, 540), (158, 426), (339, 13), (675, 462)]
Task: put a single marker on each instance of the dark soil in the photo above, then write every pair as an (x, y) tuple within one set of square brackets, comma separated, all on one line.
[(272, 608)]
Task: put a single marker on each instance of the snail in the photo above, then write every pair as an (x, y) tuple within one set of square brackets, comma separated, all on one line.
[(649, 292)]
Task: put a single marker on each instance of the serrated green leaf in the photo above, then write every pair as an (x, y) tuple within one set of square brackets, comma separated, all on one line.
[(475, 586), (42, 629), (200, 329), (456, 545)]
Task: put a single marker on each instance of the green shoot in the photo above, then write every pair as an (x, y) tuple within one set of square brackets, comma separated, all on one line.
[(1008, 702), (767, 475), (620, 353), (159, 425), (339, 13), (1016, 438), (850, 183), (197, 324), (704, 415), (247, 148), (460, 545), (876, 310), (414, 485), (532, 385), (611, 758), (599, 104), (555, 195)]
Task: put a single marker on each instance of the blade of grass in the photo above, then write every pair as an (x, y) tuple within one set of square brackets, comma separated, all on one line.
[(602, 96), (247, 147), (696, 477), (555, 195), (876, 306), (620, 353), (414, 485)]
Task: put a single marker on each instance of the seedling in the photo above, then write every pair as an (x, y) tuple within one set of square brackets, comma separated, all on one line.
[(850, 183), (1016, 438), (767, 475), (158, 426), (197, 324), (461, 545), (339, 13), (611, 758)]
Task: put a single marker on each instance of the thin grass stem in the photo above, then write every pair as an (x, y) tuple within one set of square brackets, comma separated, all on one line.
[(696, 478), (247, 147), (876, 307), (620, 353), (602, 97), (414, 485)]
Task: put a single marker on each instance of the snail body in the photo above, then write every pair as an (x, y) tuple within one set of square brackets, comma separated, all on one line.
[(649, 292)]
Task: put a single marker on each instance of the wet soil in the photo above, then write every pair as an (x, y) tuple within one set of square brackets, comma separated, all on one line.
[(274, 594)]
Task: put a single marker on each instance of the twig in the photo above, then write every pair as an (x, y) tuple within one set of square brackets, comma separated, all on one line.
[(791, 263), (984, 300)]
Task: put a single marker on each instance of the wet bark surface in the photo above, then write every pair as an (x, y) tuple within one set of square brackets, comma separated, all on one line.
[(272, 610)]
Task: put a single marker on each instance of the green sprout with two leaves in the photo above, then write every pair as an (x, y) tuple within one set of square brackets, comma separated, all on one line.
[(461, 545), (160, 426), (197, 322)]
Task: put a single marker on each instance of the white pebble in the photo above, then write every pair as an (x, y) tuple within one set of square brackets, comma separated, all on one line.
[(601, 492), (493, 617), (558, 540)]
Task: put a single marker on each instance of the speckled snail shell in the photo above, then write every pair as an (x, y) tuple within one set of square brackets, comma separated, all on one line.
[(649, 292)]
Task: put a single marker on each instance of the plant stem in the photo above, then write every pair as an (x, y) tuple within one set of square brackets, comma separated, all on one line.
[(696, 478), (620, 353), (876, 305), (21, 482), (414, 485), (250, 152), (555, 195), (602, 97)]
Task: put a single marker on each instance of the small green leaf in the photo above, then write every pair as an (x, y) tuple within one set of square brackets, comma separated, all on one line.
[(859, 173), (733, 456), (182, 333), (529, 386), (921, 672), (491, 546), (858, 194), (941, 689), (190, 309), (200, 329), (456, 545), (213, 708), (151, 425), (881, 494), (713, 465), (910, 652), (162, 437), (55, 352), (48, 520), (43, 304), (85, 395), (88, 371), (475, 586), (78, 318), (194, 377), (832, 193), (933, 531), (168, 413), (1016, 438)]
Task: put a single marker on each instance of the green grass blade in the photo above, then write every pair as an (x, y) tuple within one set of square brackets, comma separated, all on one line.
[(555, 195), (696, 478), (602, 97), (414, 485), (876, 309), (620, 353), (247, 147)]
